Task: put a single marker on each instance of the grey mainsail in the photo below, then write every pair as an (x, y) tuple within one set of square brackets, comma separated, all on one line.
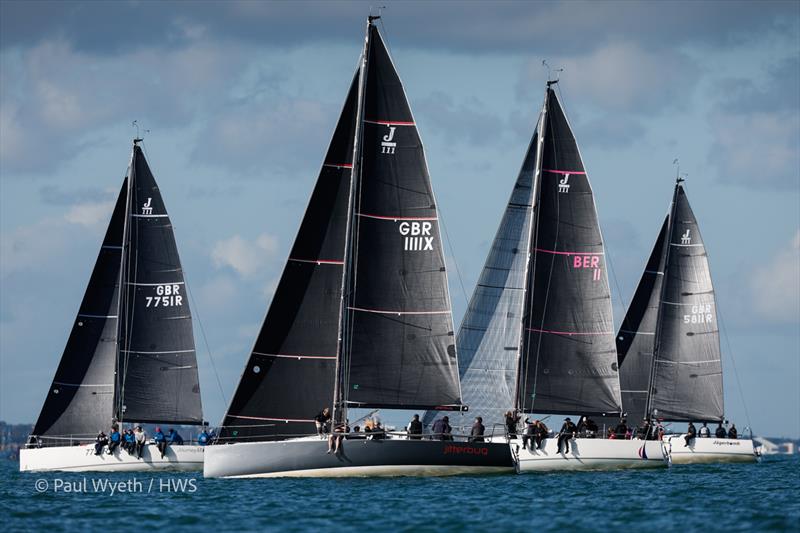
[(687, 373)]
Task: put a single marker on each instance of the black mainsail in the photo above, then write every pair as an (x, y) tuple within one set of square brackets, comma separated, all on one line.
[(399, 345), (568, 358), (538, 333), (130, 354), (158, 364), (679, 319), (361, 316)]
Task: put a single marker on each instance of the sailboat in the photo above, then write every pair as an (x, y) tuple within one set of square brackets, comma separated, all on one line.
[(537, 335), (130, 356), (669, 350), (361, 316)]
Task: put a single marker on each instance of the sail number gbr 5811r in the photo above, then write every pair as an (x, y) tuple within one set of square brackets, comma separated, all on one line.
[(166, 296), (701, 314)]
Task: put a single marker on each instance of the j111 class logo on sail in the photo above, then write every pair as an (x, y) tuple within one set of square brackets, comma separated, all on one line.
[(147, 209), (563, 186), (686, 237), (416, 236), (387, 146)]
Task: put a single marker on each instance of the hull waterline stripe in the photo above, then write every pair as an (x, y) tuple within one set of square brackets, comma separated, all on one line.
[(554, 252), (317, 261), (270, 419), (295, 356), (570, 332), (378, 217), (384, 312)]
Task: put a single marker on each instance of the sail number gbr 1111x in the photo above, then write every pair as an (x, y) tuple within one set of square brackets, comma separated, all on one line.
[(166, 296)]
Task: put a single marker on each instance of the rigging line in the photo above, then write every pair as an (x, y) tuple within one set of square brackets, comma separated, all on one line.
[(453, 254), (203, 333), (735, 371), (616, 283)]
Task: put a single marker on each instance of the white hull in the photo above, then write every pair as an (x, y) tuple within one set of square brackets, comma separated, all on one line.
[(590, 454), (364, 458), (82, 459), (710, 450)]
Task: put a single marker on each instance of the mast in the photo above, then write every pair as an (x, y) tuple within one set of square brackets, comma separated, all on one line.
[(339, 413), (518, 404), (118, 414), (657, 337)]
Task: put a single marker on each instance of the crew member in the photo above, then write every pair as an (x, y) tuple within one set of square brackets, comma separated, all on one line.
[(414, 428), (691, 433), (567, 432), (478, 429)]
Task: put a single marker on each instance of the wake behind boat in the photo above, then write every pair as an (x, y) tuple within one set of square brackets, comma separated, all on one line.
[(669, 349), (130, 355), (537, 336), (361, 317)]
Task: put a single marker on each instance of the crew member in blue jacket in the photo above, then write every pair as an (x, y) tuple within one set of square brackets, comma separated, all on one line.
[(161, 441), (174, 438), (114, 439)]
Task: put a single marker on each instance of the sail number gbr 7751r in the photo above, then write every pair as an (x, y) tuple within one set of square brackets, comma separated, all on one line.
[(166, 296)]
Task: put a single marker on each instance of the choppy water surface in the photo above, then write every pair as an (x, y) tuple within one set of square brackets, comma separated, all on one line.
[(758, 497)]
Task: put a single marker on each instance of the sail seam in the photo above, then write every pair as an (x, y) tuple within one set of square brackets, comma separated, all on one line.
[(555, 252), (317, 261), (294, 356), (390, 122), (379, 217), (61, 383), (97, 316), (385, 312), (535, 330), (270, 419)]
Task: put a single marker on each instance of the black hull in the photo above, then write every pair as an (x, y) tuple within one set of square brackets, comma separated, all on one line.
[(357, 457)]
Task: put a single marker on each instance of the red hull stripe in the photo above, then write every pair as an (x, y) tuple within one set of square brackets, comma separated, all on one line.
[(390, 122), (567, 253), (317, 261), (396, 218), (570, 332), (384, 312), (271, 419), (580, 172)]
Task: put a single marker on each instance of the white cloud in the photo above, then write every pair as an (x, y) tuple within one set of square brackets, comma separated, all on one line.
[(776, 285), (89, 214), (245, 257)]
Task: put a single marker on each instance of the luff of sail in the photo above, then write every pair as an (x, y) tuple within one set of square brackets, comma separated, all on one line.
[(158, 379), (289, 376), (637, 334), (398, 348), (80, 400), (687, 371), (568, 357)]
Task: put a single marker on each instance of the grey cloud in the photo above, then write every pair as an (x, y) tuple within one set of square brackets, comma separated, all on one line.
[(756, 131), (470, 121), (55, 195), (474, 27)]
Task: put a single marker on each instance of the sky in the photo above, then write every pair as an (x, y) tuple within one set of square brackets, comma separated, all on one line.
[(237, 102)]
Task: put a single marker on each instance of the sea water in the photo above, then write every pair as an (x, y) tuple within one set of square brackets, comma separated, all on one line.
[(735, 497)]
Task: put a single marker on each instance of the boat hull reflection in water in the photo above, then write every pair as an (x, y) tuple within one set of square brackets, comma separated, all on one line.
[(82, 459), (710, 450), (307, 457)]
